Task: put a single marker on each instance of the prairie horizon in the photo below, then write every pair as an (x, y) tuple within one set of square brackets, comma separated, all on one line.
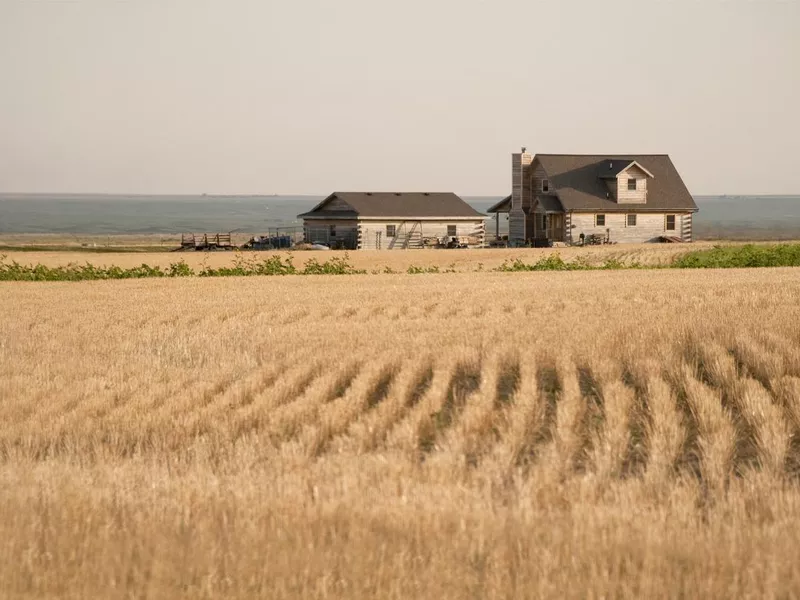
[(733, 217)]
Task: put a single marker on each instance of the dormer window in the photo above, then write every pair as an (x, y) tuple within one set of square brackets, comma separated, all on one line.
[(545, 185), (631, 185)]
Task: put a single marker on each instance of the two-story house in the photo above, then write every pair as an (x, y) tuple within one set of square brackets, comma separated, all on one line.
[(618, 198)]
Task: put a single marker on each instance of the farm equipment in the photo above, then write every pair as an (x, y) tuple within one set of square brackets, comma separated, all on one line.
[(269, 242)]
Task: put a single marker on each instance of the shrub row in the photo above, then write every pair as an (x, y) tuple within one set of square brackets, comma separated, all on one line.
[(780, 255), (274, 265)]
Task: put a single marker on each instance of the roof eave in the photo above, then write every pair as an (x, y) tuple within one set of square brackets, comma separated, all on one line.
[(417, 218)]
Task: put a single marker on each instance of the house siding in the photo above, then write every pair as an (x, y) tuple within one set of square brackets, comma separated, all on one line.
[(649, 226), (319, 230), (520, 193), (538, 177), (625, 196), (410, 233)]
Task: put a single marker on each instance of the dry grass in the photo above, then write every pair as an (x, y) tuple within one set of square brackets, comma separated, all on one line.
[(587, 434)]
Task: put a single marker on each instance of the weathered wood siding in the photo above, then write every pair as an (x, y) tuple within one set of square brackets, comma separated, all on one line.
[(649, 226), (537, 179), (410, 233), (625, 196), (319, 230), (520, 187)]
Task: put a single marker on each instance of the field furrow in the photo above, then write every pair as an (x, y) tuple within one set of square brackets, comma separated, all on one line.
[(470, 435)]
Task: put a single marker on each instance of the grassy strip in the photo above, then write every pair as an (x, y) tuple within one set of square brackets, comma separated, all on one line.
[(750, 255), (719, 257)]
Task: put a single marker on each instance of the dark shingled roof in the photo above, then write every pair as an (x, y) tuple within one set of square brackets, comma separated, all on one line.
[(388, 204), (610, 167), (575, 180), (550, 203), (503, 206)]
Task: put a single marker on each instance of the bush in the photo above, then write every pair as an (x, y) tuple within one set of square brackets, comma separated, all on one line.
[(274, 265), (553, 262), (749, 255)]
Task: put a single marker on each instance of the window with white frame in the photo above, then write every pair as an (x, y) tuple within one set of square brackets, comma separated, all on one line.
[(669, 225), (599, 220), (391, 231), (452, 231), (630, 220), (631, 185), (545, 185)]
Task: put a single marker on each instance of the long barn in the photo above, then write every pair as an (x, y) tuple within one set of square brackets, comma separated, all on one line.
[(393, 221)]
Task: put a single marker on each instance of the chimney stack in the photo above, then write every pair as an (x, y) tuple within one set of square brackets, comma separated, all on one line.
[(518, 186)]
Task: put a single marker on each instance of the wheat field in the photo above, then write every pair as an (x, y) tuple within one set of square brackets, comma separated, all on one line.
[(486, 435)]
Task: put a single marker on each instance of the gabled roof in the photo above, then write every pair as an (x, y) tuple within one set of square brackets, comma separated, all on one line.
[(550, 204), (574, 179), (611, 167), (392, 204)]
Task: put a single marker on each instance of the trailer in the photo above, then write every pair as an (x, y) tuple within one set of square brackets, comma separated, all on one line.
[(206, 241)]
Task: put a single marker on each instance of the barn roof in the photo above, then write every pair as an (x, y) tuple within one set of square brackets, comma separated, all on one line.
[(575, 180), (356, 205)]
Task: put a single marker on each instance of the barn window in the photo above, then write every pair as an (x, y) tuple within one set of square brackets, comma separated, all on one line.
[(391, 230), (333, 231), (631, 185), (631, 221), (452, 231), (599, 220), (670, 223), (545, 185)]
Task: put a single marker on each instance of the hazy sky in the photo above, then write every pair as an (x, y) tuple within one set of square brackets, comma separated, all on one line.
[(311, 96)]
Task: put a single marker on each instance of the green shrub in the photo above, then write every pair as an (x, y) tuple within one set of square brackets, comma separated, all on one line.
[(749, 255), (242, 267), (552, 262)]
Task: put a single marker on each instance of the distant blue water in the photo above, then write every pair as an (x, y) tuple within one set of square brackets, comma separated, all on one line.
[(743, 216)]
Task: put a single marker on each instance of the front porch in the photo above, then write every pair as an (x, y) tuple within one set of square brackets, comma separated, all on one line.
[(544, 225)]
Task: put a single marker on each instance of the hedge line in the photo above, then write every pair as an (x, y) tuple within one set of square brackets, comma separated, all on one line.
[(719, 257)]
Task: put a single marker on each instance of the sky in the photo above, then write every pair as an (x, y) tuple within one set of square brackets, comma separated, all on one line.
[(312, 96)]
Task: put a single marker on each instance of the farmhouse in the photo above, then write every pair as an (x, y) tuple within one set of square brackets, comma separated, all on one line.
[(393, 221), (578, 198)]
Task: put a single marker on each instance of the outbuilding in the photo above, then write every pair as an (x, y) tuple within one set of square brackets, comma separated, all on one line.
[(393, 221)]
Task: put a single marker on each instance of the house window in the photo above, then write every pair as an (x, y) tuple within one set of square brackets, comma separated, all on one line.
[(545, 185), (631, 185), (670, 226), (631, 221), (391, 230), (452, 231), (333, 230), (599, 220)]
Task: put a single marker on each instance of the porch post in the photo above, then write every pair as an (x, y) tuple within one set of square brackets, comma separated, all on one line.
[(497, 225)]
